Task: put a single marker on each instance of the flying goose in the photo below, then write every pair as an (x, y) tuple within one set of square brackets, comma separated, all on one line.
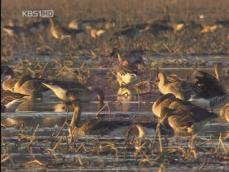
[(182, 116)]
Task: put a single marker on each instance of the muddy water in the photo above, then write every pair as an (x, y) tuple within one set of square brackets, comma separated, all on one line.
[(35, 130)]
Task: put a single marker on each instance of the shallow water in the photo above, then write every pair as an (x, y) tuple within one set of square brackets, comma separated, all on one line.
[(45, 117)]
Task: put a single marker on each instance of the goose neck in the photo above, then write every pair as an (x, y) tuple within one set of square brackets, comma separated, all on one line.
[(76, 116)]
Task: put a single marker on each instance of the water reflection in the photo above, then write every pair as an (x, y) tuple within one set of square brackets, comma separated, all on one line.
[(124, 97), (28, 121), (60, 107)]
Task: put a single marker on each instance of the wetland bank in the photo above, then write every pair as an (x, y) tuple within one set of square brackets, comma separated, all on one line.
[(175, 36)]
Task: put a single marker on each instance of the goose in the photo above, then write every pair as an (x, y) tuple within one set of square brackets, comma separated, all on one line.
[(132, 60), (26, 85), (181, 89), (14, 30), (182, 116), (129, 65), (83, 93), (92, 126), (93, 32), (59, 32), (126, 78), (95, 24), (212, 91), (10, 101), (205, 91), (6, 72)]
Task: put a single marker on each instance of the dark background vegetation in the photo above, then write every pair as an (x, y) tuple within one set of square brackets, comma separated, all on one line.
[(188, 41), (123, 11)]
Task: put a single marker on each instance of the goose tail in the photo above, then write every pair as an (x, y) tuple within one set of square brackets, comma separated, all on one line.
[(217, 100)]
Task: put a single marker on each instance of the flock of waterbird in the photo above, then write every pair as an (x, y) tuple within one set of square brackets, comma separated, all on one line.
[(57, 30), (183, 105), (97, 27)]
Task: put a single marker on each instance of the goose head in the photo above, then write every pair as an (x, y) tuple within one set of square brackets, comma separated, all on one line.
[(7, 76), (6, 73), (160, 80), (8, 85), (73, 24), (126, 78)]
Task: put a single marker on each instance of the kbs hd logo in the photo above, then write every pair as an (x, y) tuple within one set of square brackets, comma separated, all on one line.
[(37, 13)]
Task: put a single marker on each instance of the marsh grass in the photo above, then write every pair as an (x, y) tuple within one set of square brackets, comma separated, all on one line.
[(124, 13), (70, 59), (145, 152)]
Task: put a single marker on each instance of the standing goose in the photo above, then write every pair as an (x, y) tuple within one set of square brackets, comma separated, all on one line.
[(132, 60), (60, 33), (180, 89), (57, 30), (182, 116), (206, 91), (129, 64)]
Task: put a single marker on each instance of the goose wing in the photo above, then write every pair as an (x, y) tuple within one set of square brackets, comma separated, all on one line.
[(184, 89), (66, 84), (209, 86), (7, 96)]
